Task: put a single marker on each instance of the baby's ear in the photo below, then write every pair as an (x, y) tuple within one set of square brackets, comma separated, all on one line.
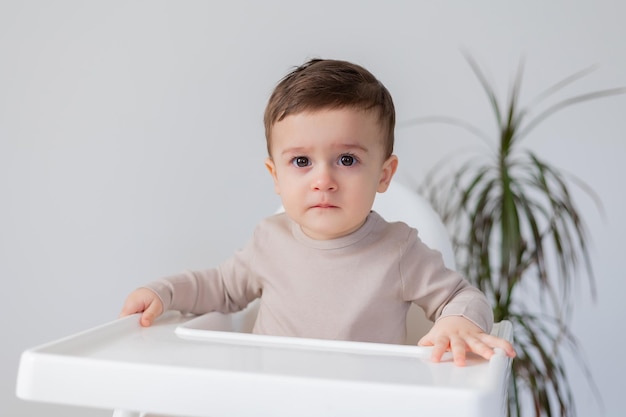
[(387, 172), (271, 167)]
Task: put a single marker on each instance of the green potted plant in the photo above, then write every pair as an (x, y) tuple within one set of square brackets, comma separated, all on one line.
[(515, 229)]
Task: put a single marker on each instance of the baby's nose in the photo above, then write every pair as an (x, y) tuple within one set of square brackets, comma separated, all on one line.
[(323, 179)]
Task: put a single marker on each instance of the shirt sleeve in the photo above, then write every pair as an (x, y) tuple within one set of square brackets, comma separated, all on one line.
[(227, 288), (439, 291)]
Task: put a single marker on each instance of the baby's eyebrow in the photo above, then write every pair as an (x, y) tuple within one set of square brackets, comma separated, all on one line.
[(343, 147), (350, 146), (295, 150)]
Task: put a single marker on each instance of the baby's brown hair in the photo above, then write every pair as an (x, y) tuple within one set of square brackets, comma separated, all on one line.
[(330, 84)]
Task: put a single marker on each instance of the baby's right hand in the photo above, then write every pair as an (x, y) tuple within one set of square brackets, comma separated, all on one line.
[(144, 301)]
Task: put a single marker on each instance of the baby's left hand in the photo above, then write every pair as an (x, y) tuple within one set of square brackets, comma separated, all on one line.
[(460, 335)]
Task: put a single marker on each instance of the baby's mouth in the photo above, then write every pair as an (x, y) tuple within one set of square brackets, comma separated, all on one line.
[(324, 206)]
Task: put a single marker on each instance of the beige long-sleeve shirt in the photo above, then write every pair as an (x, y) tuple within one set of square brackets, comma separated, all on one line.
[(357, 287)]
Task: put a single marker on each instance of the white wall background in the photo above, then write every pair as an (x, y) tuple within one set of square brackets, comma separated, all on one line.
[(131, 141)]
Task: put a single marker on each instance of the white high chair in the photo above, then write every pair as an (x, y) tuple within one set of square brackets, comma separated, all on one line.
[(180, 367)]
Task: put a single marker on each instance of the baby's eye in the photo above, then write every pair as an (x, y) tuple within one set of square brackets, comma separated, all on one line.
[(301, 161), (347, 160)]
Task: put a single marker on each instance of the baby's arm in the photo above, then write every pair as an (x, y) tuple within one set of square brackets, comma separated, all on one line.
[(460, 335), (143, 301)]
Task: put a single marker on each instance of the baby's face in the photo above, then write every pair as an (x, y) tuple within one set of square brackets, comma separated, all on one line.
[(327, 166)]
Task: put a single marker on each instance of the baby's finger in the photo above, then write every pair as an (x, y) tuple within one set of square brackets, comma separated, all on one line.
[(153, 311), (479, 347), (129, 308), (440, 346), (494, 342), (458, 348)]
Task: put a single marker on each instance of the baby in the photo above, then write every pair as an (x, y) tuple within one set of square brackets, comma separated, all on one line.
[(329, 267)]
